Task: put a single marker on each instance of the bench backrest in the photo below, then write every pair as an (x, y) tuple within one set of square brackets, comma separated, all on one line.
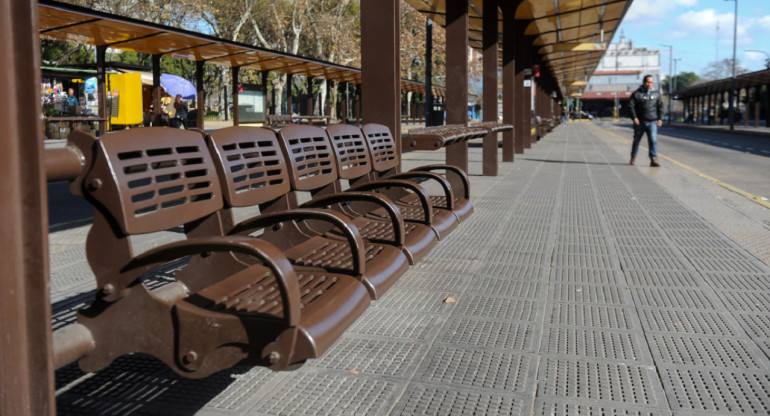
[(310, 157), (149, 181), (382, 146), (352, 150), (250, 164)]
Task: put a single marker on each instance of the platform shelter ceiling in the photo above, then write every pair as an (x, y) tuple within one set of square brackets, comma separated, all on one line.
[(69, 23), (570, 36)]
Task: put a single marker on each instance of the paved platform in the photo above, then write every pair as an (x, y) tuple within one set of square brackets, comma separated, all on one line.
[(580, 286)]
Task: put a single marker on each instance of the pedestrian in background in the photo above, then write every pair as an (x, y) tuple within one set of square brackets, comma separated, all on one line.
[(180, 112), (647, 111)]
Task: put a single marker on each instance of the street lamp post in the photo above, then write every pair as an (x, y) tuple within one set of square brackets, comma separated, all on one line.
[(732, 82), (670, 60)]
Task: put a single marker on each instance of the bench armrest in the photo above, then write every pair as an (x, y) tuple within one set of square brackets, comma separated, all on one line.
[(425, 175), (269, 255), (348, 229), (393, 212), (458, 177), (421, 193)]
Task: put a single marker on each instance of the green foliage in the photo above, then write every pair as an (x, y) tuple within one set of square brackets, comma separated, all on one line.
[(58, 53), (681, 81)]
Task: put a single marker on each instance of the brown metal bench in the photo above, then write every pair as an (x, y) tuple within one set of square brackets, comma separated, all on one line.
[(280, 120), (386, 164), (239, 301), (544, 126), (356, 164), (493, 126), (254, 172), (436, 137), (350, 159)]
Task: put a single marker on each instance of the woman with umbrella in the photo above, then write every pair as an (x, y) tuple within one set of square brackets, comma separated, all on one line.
[(180, 116), (181, 88)]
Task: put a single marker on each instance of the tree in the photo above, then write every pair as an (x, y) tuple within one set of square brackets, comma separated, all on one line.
[(683, 80), (722, 69)]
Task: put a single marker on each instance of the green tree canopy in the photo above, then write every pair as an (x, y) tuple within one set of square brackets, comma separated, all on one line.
[(683, 80)]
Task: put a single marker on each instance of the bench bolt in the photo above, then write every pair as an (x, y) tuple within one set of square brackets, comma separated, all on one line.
[(190, 357), (95, 184)]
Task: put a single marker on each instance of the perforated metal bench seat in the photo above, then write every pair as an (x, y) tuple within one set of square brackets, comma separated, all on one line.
[(493, 126), (436, 137), (456, 196), (239, 300), (255, 171)]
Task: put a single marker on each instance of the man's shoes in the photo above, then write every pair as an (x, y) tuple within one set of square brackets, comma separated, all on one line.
[(654, 162), (633, 160)]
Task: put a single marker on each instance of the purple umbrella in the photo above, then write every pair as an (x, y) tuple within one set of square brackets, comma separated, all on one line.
[(177, 85)]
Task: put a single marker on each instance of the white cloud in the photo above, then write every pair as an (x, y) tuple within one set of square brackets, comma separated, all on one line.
[(702, 25), (704, 19), (764, 23), (649, 11), (753, 55)]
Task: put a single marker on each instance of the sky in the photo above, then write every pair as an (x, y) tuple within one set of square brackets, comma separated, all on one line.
[(690, 26)]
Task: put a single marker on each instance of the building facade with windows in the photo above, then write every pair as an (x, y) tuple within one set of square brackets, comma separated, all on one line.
[(617, 76)]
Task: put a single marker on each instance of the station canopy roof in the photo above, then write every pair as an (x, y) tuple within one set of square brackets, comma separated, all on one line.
[(570, 36), (69, 23), (751, 79)]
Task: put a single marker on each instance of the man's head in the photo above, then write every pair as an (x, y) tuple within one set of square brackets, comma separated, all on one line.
[(648, 82), (71, 92)]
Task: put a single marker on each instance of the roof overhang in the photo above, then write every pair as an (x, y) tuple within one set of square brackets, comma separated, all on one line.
[(570, 35)]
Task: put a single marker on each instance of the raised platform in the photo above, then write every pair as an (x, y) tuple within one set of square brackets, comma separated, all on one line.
[(581, 285)]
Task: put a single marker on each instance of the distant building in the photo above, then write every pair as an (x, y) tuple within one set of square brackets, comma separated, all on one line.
[(619, 74)]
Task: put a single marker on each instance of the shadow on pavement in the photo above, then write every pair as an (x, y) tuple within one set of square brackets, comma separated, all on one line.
[(66, 211)]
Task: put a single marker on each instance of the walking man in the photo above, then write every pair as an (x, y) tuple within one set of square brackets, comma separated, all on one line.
[(646, 111)]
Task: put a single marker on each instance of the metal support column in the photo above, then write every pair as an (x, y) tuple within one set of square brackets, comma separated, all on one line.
[(457, 76), (526, 96), (357, 105), (272, 99), (489, 99), (26, 367), (263, 79), (521, 114), (156, 110), (381, 64), (289, 101), (101, 87), (236, 118), (200, 99), (309, 88), (428, 72), (767, 105), (756, 106), (344, 110)]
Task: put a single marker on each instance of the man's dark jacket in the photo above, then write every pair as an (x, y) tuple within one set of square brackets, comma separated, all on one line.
[(646, 105)]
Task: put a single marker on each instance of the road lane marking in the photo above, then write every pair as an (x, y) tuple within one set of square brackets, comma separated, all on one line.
[(754, 198)]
